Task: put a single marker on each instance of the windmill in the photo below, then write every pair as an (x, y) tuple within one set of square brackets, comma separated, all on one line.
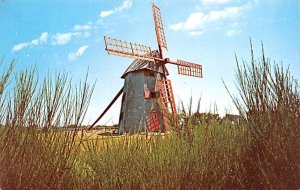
[(147, 93)]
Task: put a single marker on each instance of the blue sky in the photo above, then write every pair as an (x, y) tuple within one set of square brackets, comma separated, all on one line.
[(65, 35)]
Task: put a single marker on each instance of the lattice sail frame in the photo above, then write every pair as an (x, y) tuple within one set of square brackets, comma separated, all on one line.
[(189, 69), (128, 49), (159, 27), (166, 95)]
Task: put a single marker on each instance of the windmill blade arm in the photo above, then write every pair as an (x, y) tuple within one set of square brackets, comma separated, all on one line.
[(188, 68), (159, 27), (128, 49)]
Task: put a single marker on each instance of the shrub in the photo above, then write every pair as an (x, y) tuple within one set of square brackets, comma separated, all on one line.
[(36, 150), (269, 101)]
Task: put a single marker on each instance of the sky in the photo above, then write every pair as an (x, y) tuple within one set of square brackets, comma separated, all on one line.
[(67, 36)]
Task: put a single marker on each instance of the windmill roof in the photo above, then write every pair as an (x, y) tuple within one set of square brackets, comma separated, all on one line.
[(140, 65)]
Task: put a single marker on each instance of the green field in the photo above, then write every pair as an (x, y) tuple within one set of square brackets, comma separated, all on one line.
[(261, 152)]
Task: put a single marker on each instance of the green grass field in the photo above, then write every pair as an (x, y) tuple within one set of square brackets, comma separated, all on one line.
[(262, 152)]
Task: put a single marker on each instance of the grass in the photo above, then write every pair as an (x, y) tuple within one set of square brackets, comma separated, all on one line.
[(269, 100), (260, 153)]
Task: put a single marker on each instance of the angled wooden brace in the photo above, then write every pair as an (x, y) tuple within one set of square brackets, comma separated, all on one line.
[(106, 109)]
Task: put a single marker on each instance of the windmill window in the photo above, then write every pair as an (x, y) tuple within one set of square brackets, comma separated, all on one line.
[(153, 94), (149, 94)]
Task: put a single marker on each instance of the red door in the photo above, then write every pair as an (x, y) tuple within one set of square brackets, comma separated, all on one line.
[(153, 122)]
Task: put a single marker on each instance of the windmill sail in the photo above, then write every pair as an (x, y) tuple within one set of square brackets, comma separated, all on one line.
[(189, 69), (166, 95), (159, 27), (128, 49), (167, 102)]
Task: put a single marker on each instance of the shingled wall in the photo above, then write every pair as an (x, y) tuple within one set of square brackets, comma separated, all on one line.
[(135, 107)]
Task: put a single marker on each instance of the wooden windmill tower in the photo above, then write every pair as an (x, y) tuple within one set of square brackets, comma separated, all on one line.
[(147, 93)]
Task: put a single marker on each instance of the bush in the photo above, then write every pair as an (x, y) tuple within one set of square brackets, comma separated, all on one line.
[(269, 101), (36, 151)]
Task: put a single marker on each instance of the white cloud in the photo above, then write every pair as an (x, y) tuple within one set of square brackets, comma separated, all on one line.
[(198, 21), (57, 39), (60, 39), (75, 55), (44, 37), (35, 42), (20, 46), (127, 4), (63, 38), (106, 13), (82, 27), (195, 20), (207, 2)]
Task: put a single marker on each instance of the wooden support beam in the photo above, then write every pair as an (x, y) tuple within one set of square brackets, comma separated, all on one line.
[(106, 109)]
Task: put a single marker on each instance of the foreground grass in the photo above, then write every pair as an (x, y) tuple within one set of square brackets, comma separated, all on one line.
[(208, 158), (211, 156)]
